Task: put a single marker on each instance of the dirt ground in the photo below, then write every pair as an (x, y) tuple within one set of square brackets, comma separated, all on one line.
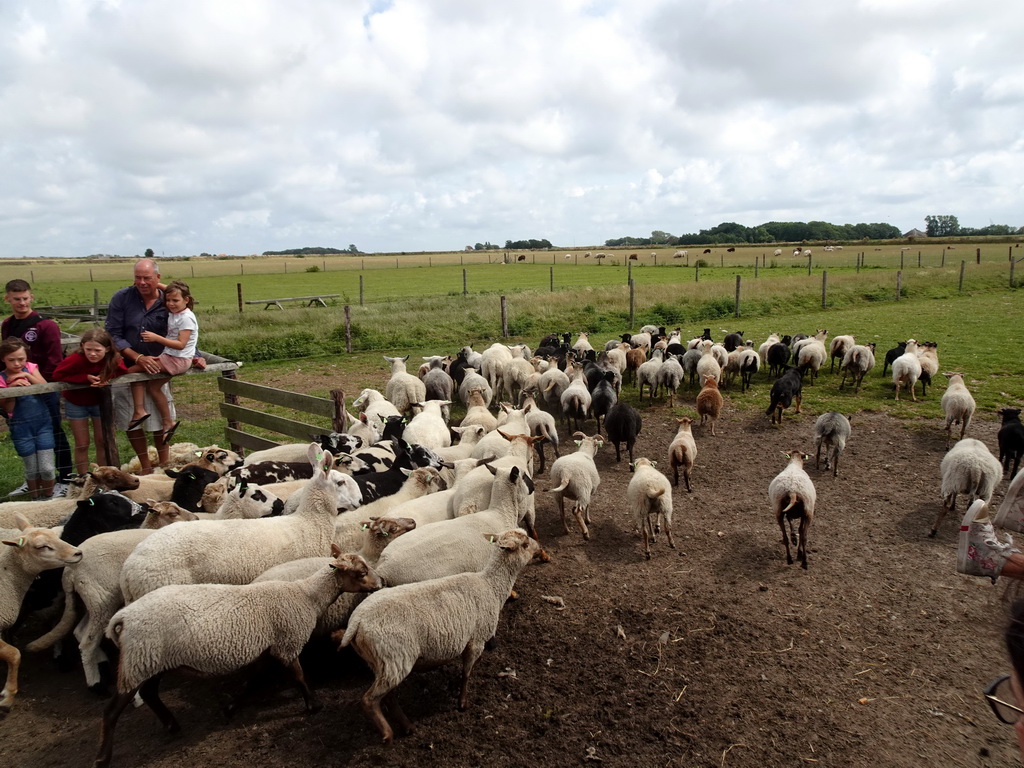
[(716, 653)]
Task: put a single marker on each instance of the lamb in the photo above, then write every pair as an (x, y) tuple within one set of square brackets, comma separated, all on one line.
[(787, 388), (455, 618), (682, 452), (403, 389), (552, 384), (720, 355), (970, 468), (428, 427), (906, 369), (243, 502), (575, 476), (237, 551), (649, 497), (635, 357), (582, 345), (762, 351), (186, 626), (642, 340), (710, 403), (1011, 439), (518, 371), (839, 347), (777, 357), (928, 357), (831, 430), (362, 427), (708, 365), (892, 354), (958, 405), (335, 442), (689, 362), (26, 555), (623, 424), (576, 400), (858, 360), (436, 381), (456, 545), (792, 497), (648, 374)]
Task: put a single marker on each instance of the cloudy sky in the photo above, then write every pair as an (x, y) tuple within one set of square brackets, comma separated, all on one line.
[(249, 125)]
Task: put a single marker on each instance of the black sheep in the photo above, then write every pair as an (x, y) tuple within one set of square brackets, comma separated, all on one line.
[(787, 388), (623, 424), (892, 354), (1011, 439)]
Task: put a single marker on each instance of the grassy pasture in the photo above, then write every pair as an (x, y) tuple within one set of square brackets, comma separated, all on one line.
[(419, 309)]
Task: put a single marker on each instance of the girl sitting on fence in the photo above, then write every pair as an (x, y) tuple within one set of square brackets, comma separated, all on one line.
[(179, 349), (96, 362), (29, 418)]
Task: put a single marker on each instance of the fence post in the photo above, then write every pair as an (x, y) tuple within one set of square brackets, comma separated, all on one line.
[(430, 261), (465, 292), (918, 259), (963, 266), (901, 258), (504, 318), (809, 264), (755, 269), (230, 399), (551, 278), (360, 290), (824, 288), (325, 266), (696, 273), (899, 285), (736, 312), (721, 259), (348, 334), (858, 264), (286, 267), (90, 274), (96, 305), (241, 268), (977, 253), (32, 272), (943, 257), (632, 305), (238, 288), (629, 273), (112, 458), (338, 420)]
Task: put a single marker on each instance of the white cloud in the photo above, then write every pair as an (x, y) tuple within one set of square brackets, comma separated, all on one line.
[(188, 126)]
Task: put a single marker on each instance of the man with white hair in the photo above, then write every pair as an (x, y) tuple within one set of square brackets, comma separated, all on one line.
[(132, 310)]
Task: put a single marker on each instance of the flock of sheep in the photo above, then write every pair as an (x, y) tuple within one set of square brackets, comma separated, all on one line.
[(427, 523)]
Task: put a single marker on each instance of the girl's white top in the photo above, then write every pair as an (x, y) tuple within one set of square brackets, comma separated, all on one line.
[(176, 323)]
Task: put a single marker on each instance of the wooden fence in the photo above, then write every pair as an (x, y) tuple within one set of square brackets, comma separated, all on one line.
[(238, 415)]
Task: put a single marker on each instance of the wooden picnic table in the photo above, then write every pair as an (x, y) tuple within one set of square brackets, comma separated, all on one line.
[(309, 301)]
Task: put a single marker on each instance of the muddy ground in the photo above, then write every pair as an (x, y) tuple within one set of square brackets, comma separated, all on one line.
[(716, 653)]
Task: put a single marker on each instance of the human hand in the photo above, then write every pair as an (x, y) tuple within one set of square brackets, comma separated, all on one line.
[(96, 381), (20, 380), (148, 363), (148, 336)]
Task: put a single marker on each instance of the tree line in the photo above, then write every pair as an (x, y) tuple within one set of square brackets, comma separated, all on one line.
[(769, 232)]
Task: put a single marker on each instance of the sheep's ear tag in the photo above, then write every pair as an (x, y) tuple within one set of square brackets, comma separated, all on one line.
[(92, 501), (654, 464), (366, 527), (491, 539), (578, 442), (786, 455), (199, 453), (632, 465), (21, 541)]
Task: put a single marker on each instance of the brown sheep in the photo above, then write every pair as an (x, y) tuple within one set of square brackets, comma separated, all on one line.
[(710, 402), (683, 452)]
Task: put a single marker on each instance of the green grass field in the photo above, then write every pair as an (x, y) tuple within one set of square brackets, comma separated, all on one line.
[(419, 308)]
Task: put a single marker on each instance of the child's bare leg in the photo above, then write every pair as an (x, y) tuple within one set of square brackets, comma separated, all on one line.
[(80, 432), (153, 386), (139, 399)]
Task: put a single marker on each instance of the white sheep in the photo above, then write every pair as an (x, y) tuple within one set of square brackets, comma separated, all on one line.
[(858, 360), (438, 383), (477, 412), (237, 551), (215, 629), (969, 468), (456, 545), (348, 526), (906, 369), (958, 405), (492, 366), (432, 623), (762, 351), (374, 406), (552, 384), (831, 431), (647, 374), (928, 356), (428, 427), (518, 372), (473, 491), (542, 425), (474, 381), (95, 582), (576, 399), (793, 497), (682, 451), (810, 355), (575, 476), (839, 347), (649, 497), (28, 552), (582, 345), (403, 389), (708, 364)]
